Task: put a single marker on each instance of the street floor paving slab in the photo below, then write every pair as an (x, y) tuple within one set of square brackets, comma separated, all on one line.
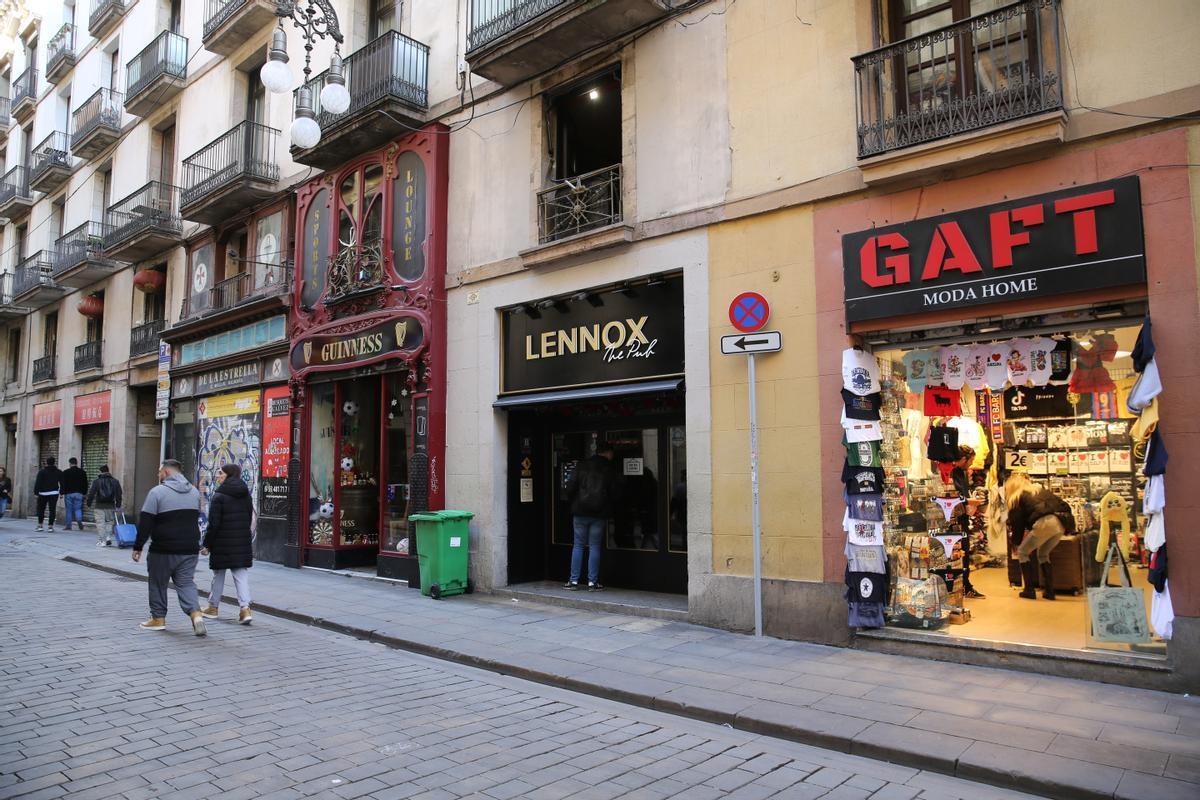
[(996, 726)]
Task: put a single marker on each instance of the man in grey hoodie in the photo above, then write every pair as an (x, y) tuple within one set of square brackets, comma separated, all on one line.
[(170, 521)]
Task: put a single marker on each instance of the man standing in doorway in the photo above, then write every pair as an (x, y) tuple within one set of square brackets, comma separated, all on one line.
[(74, 487), (170, 521), (46, 486), (591, 492)]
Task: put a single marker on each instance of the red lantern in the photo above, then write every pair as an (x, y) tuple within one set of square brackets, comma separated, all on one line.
[(91, 306), (150, 281)]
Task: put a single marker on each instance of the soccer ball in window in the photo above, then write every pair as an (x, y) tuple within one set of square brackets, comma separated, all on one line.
[(326, 511), (350, 407), (347, 464)]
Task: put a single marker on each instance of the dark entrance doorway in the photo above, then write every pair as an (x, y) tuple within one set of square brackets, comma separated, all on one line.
[(645, 546)]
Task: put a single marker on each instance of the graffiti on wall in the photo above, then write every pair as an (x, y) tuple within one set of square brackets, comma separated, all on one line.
[(228, 433)]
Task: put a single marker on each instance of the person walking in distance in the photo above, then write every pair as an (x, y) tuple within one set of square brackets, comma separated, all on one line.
[(46, 486), (591, 492), (105, 497), (74, 487), (170, 522), (229, 540), (6, 490)]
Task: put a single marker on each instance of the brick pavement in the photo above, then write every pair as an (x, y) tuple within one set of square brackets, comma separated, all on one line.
[(91, 707), (1067, 737)]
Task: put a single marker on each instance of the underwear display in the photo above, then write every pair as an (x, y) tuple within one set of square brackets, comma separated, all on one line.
[(948, 543), (947, 505)]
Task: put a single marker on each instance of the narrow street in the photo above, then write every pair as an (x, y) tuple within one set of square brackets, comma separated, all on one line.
[(92, 707)]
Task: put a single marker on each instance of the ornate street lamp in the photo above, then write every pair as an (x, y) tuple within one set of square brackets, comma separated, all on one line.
[(316, 19)]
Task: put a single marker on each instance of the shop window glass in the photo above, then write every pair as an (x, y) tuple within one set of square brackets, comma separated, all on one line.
[(268, 248), (321, 467), (357, 463), (635, 461), (183, 437), (398, 405), (677, 516)]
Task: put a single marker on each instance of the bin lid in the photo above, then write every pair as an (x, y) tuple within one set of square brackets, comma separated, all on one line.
[(440, 516)]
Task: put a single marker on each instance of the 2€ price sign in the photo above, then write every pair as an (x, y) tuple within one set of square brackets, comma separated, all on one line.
[(749, 312)]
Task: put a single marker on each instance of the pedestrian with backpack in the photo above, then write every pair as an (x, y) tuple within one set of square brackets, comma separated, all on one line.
[(591, 491), (105, 497), (229, 540)]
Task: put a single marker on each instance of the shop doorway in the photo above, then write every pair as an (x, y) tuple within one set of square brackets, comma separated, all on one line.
[(645, 544), (94, 455)]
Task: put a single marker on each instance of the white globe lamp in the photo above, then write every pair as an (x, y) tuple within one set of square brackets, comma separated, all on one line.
[(305, 130), (275, 74), (334, 97)]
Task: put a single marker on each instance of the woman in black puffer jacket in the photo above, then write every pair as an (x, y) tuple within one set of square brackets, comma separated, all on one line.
[(229, 541)]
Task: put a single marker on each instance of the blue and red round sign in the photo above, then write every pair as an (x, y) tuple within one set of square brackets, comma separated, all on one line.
[(749, 312)]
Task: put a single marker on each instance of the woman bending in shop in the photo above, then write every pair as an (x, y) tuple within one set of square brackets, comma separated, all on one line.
[(1039, 519)]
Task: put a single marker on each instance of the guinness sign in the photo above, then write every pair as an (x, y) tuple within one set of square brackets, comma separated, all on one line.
[(393, 335), (607, 337)]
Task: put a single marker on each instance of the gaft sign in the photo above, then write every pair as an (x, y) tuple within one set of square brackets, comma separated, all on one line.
[(1084, 237)]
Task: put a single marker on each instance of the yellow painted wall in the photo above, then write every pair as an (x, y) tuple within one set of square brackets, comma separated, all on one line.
[(747, 255)]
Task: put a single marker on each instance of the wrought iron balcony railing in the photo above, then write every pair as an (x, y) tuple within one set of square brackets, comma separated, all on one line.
[(44, 368), (991, 68), (60, 47), (102, 108), (257, 279), (393, 66), (89, 355), (6, 288), (166, 55), (355, 270), (36, 270), (101, 9), (218, 12), (15, 183), (580, 204), (5, 105), (492, 19), (155, 205), (143, 339), (85, 243), (24, 87), (53, 151), (248, 150)]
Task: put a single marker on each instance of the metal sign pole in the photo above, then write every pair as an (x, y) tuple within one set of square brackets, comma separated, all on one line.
[(758, 628)]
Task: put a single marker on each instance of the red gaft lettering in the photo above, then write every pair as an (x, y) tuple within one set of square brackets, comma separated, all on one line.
[(1003, 237), (897, 264), (1084, 209), (949, 250)]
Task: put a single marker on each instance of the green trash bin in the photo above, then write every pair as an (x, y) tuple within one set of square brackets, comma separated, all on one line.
[(442, 552)]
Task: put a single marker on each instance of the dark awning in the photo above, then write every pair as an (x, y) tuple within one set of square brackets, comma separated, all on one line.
[(588, 393)]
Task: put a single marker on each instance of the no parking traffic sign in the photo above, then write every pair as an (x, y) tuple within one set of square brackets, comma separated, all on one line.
[(749, 312)]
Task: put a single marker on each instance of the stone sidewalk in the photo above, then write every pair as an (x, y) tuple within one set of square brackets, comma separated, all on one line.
[(1057, 737)]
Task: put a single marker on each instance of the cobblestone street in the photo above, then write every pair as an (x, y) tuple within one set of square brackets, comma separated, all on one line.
[(92, 707)]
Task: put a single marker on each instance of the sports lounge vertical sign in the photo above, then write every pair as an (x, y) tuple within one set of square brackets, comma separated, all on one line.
[(1085, 237)]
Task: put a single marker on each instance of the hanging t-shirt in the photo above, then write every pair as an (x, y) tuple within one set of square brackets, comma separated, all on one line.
[(860, 371), (860, 558), (955, 365), (1060, 360), (943, 444), (976, 369), (864, 532), (865, 615), (1155, 499), (862, 480), (1017, 360), (936, 367), (1156, 532), (916, 367), (942, 402), (862, 454), (865, 506), (1039, 360), (862, 430), (1156, 454), (996, 368), (861, 406), (866, 587), (1143, 350), (1148, 387)]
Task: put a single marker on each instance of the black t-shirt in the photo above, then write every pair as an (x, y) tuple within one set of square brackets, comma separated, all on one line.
[(943, 444), (866, 587), (862, 480), (864, 406)]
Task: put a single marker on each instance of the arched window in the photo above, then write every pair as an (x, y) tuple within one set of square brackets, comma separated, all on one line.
[(357, 264)]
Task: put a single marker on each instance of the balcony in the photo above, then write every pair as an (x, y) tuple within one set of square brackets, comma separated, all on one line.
[(89, 356), (24, 96), (5, 119), (143, 339), (143, 224), (580, 204), (44, 369), (15, 196), (509, 41), (51, 163), (156, 74), (231, 173), (981, 72), (9, 309), (34, 284), (105, 16), (390, 75), (79, 258), (258, 284), (97, 124), (229, 24), (60, 53)]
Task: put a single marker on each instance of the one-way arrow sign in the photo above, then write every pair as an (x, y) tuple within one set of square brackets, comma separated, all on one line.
[(758, 342)]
